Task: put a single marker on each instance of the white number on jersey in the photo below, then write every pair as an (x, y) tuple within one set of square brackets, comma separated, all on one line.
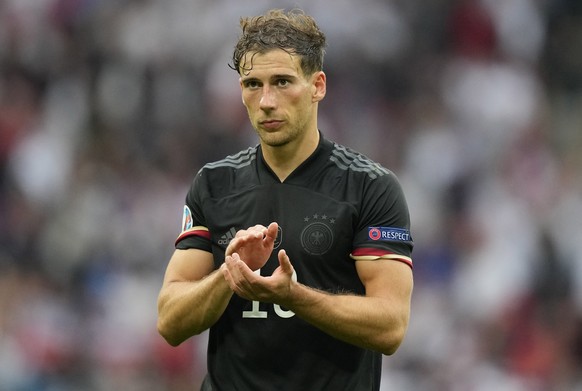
[(256, 312)]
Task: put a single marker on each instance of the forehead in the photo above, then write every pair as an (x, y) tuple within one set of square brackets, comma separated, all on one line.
[(276, 61)]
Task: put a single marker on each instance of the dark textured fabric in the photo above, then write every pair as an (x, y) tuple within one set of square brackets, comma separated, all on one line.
[(324, 209)]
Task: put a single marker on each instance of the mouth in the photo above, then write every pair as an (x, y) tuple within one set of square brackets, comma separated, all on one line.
[(271, 124)]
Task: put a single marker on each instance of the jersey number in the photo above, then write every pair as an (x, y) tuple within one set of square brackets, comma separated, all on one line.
[(257, 313)]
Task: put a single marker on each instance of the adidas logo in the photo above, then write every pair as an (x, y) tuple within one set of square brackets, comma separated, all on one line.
[(227, 237)]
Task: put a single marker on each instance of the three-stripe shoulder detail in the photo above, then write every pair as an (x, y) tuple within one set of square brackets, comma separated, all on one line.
[(239, 160), (346, 159)]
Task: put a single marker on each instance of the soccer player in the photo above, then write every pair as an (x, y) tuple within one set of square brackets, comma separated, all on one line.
[(295, 253)]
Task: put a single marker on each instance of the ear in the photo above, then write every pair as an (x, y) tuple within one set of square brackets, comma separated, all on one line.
[(240, 83), (319, 86)]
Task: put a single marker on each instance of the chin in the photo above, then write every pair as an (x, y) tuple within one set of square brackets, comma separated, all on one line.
[(276, 144), (274, 139)]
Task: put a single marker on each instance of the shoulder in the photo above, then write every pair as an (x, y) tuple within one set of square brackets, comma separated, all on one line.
[(356, 163), (361, 178), (231, 174), (236, 161)]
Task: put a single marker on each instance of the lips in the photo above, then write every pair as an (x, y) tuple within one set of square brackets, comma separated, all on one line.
[(271, 124)]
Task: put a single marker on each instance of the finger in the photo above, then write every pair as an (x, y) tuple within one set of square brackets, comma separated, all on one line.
[(235, 244), (241, 277), (270, 234), (285, 262), (233, 265), (240, 232), (227, 276), (244, 273), (255, 233), (239, 269), (230, 259), (272, 230), (258, 229), (238, 274), (242, 239)]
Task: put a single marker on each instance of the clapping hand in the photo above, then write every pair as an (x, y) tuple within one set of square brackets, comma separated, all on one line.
[(254, 245)]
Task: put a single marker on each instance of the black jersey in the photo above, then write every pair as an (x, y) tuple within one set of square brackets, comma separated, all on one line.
[(337, 207)]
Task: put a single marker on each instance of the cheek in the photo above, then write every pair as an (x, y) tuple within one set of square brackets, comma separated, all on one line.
[(247, 103), (245, 99), (302, 103), (292, 100)]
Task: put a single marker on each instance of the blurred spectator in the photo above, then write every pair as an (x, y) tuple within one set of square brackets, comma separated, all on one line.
[(108, 108)]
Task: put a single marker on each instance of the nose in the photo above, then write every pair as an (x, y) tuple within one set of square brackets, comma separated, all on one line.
[(268, 100)]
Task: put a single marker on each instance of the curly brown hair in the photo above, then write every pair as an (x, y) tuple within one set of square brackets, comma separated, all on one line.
[(294, 32)]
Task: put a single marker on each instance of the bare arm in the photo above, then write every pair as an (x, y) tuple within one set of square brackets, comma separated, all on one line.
[(192, 297), (376, 321)]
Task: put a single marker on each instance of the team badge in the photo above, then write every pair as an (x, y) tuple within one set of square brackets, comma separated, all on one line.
[(187, 221), (317, 236), (279, 238)]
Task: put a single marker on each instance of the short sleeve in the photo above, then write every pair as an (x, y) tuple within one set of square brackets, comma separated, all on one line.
[(383, 231), (194, 231)]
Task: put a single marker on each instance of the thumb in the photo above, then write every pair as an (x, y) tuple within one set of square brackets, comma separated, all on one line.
[(285, 262)]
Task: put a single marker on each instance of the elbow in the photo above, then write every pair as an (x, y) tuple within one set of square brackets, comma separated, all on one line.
[(168, 325), (390, 348), (167, 328), (175, 331), (168, 333), (392, 341)]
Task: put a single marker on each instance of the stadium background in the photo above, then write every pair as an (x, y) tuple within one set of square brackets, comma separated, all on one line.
[(109, 107)]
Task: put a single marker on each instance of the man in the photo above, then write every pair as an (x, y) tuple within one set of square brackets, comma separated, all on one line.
[(294, 253)]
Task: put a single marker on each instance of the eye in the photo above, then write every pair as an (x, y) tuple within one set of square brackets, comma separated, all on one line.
[(252, 84), (282, 82)]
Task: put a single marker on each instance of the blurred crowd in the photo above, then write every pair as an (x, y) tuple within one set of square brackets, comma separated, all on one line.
[(109, 107)]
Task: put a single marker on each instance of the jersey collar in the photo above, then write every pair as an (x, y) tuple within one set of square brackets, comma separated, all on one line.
[(301, 175)]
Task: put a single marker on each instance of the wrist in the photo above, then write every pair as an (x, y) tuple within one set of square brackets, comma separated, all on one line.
[(295, 295)]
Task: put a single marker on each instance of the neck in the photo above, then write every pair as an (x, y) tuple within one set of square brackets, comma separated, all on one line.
[(284, 159)]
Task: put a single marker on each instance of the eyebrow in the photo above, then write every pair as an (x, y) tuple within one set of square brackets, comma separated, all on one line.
[(284, 76), (273, 77)]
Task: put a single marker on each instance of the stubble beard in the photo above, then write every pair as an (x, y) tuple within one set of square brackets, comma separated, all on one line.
[(280, 137)]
